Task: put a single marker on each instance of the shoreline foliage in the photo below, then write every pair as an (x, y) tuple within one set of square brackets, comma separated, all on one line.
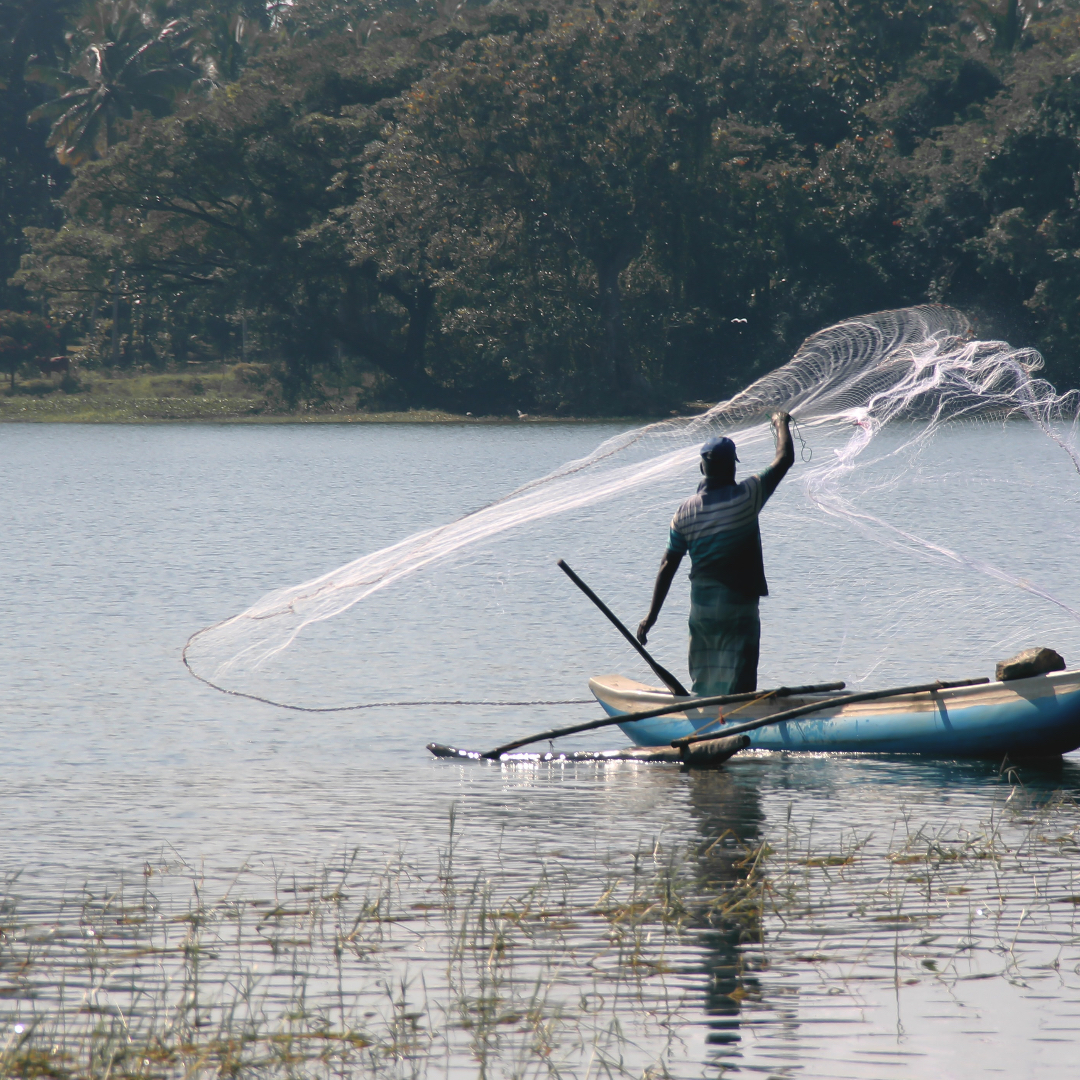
[(554, 206)]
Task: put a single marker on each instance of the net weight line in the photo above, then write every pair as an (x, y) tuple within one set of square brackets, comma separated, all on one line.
[(369, 705)]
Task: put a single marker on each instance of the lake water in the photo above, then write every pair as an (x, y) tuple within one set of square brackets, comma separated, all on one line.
[(788, 915)]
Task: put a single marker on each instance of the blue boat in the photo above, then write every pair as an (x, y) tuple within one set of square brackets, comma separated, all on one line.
[(1021, 718)]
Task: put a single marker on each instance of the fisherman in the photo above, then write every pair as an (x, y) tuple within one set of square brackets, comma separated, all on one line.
[(719, 527)]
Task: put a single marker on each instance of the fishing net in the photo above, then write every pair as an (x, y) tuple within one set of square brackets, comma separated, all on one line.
[(925, 530)]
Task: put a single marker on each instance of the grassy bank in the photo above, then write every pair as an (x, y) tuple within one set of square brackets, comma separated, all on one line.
[(224, 394), (236, 393)]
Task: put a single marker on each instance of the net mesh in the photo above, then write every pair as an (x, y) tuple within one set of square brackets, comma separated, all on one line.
[(942, 482)]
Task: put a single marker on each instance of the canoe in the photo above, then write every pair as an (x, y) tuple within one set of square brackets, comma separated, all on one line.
[(1021, 718)]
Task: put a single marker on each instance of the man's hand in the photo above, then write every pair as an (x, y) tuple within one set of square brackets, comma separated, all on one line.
[(644, 627), (785, 448)]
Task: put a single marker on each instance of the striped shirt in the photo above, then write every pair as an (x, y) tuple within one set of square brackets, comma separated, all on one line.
[(718, 526)]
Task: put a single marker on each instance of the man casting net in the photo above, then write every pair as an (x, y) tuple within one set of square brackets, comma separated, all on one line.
[(943, 474)]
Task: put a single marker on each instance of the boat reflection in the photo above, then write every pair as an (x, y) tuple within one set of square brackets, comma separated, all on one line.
[(730, 821)]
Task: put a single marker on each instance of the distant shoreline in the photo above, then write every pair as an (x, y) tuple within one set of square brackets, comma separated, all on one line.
[(230, 396), (93, 415), (233, 393)]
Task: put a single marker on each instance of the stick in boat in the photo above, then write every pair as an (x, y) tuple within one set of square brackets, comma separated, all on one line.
[(686, 703), (804, 710), (662, 673)]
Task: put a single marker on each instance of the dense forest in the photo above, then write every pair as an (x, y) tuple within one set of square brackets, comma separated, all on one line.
[(587, 206)]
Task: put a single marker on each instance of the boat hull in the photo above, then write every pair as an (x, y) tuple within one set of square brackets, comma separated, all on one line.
[(1022, 718)]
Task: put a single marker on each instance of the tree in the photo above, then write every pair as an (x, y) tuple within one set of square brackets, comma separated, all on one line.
[(228, 35), (214, 208), (582, 206), (993, 209), (555, 131), (30, 176), (23, 338), (127, 62)]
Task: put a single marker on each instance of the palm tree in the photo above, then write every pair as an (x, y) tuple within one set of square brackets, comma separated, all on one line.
[(129, 62), (226, 40)]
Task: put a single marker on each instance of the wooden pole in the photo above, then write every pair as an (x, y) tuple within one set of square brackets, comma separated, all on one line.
[(817, 706), (662, 673), (686, 703)]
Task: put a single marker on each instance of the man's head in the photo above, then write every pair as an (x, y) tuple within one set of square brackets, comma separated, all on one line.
[(718, 458)]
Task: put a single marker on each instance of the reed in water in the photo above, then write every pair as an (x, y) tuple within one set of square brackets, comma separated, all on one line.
[(475, 962)]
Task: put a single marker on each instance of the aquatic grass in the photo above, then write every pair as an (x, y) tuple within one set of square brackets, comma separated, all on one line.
[(367, 972), (934, 901), (479, 964)]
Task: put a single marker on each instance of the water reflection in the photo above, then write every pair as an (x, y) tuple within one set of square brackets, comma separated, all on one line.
[(726, 809), (913, 875)]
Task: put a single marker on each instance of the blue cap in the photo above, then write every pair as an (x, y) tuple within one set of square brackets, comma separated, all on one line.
[(719, 448)]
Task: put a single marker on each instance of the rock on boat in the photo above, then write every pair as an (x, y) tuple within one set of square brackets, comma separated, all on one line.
[(1022, 718)]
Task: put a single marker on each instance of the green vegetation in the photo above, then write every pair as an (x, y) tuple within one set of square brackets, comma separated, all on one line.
[(23, 339), (222, 392), (105, 395), (548, 205)]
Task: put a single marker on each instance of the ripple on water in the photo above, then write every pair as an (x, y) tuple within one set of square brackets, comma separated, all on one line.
[(939, 925), (198, 883)]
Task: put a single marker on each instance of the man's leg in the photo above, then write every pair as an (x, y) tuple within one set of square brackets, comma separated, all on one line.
[(725, 635)]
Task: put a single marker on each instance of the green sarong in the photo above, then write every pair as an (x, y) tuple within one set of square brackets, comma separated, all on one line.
[(725, 634)]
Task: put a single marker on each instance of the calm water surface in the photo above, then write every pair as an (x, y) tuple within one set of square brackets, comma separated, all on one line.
[(904, 919)]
